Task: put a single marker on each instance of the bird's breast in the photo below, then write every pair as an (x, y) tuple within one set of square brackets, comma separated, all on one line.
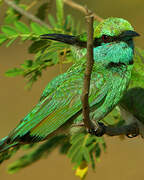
[(119, 81)]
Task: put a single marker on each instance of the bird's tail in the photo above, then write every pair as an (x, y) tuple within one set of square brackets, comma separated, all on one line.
[(5, 145), (7, 149)]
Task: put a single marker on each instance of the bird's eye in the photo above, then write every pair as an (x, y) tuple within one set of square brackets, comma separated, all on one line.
[(106, 38)]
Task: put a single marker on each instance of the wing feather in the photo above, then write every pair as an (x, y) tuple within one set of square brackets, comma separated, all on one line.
[(59, 103)]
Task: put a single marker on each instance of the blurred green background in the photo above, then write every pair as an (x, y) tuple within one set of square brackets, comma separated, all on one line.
[(124, 158)]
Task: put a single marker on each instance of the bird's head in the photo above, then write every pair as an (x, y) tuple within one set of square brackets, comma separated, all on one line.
[(109, 30), (113, 29)]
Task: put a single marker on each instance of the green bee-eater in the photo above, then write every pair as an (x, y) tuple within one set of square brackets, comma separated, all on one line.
[(60, 104)]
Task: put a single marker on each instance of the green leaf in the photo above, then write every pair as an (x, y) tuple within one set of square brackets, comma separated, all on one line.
[(91, 147), (9, 30), (3, 38), (59, 5), (36, 28), (14, 72), (41, 151), (86, 154), (21, 27), (11, 41), (92, 161), (101, 141), (27, 64), (67, 24), (91, 139), (11, 16), (77, 155), (8, 154), (137, 78), (50, 57), (52, 21), (42, 11), (45, 30), (77, 137), (9, 19), (38, 45), (23, 6), (83, 145), (97, 152), (74, 148), (28, 146), (57, 46), (104, 146), (55, 58), (64, 148)]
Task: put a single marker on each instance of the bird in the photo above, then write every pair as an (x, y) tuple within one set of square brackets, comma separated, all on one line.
[(60, 103)]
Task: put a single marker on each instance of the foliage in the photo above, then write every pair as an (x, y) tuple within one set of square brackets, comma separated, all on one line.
[(138, 73), (41, 151), (84, 147), (81, 147), (46, 53)]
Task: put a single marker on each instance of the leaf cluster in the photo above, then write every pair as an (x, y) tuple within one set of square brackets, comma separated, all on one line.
[(80, 147), (46, 53), (137, 78), (84, 147), (41, 151)]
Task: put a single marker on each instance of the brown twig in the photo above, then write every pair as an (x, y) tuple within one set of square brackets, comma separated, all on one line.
[(88, 70), (81, 8), (25, 13), (35, 19)]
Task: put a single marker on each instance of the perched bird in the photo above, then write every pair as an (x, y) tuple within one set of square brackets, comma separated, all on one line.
[(60, 104)]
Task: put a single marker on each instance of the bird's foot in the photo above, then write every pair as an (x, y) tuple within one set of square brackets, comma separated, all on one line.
[(98, 131)]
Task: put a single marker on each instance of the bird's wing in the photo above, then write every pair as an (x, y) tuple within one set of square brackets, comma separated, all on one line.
[(61, 101), (52, 85)]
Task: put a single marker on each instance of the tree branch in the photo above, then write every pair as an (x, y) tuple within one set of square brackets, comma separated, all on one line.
[(131, 129), (37, 20), (88, 70), (25, 13), (81, 8)]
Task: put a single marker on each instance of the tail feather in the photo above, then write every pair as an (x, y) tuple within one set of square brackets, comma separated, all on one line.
[(7, 149), (5, 145)]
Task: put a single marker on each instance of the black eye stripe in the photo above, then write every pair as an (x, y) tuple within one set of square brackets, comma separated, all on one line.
[(105, 39)]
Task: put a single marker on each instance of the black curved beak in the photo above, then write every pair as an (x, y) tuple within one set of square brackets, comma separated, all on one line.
[(60, 37), (129, 34), (68, 39)]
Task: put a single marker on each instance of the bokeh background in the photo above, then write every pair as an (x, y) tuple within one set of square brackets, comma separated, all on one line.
[(123, 160)]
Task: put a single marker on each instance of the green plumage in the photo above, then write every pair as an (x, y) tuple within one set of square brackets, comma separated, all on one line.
[(60, 104)]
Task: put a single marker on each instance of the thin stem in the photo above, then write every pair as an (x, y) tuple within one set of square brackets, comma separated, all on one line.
[(88, 71), (81, 8), (25, 13), (131, 129)]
